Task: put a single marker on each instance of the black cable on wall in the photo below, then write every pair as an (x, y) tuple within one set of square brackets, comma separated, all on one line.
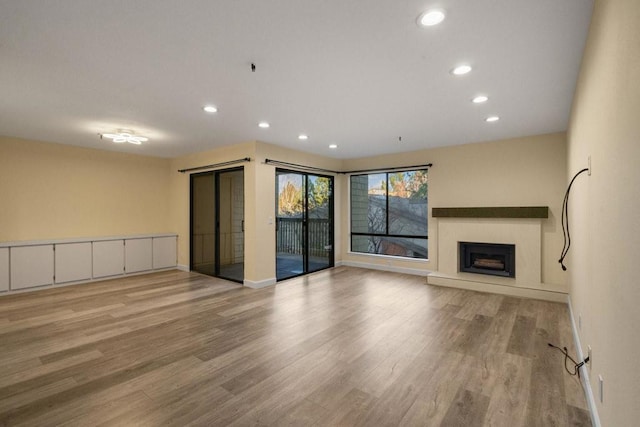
[(565, 221)]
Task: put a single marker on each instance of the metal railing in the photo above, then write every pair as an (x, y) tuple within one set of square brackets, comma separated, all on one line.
[(290, 236)]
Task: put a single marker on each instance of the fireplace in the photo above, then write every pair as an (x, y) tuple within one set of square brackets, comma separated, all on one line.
[(487, 258)]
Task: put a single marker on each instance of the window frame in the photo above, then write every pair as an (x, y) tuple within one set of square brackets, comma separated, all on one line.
[(386, 234)]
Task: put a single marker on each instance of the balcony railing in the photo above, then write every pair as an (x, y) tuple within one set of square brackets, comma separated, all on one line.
[(290, 236)]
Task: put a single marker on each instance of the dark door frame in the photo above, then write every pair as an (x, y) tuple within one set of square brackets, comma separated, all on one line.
[(216, 182), (305, 228)]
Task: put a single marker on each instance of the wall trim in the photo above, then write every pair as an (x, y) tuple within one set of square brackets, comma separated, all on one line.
[(392, 268), (586, 383), (440, 279), (183, 267), (260, 283)]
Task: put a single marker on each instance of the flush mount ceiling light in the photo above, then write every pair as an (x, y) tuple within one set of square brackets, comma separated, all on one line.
[(333, 146), (461, 69), (431, 18), (491, 119), (263, 125), (210, 108), (480, 99), (303, 137), (123, 135)]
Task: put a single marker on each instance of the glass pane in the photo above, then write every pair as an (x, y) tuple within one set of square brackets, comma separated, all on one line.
[(290, 233), (408, 203), (203, 213), (319, 226), (396, 246), (369, 203), (231, 225)]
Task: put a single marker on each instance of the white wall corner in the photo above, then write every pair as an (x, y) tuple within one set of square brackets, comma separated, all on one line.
[(584, 376), (260, 283)]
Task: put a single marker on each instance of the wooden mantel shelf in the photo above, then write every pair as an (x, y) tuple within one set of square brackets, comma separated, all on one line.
[(492, 212)]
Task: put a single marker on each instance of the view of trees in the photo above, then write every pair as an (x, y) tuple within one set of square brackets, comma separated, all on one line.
[(291, 194), (389, 213), (412, 184)]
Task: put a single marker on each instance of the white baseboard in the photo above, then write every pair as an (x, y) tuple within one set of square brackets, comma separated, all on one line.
[(584, 373), (182, 267), (439, 279), (394, 269), (260, 283)]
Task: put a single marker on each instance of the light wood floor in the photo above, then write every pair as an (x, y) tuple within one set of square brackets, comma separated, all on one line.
[(344, 346)]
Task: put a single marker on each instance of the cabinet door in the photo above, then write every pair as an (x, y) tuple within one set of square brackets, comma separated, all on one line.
[(4, 269), (73, 262), (138, 255), (108, 258), (164, 252), (31, 266)]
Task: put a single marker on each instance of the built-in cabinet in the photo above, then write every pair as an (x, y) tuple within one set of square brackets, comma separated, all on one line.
[(108, 258), (4, 269), (25, 265), (31, 266), (138, 255), (164, 252), (73, 262)]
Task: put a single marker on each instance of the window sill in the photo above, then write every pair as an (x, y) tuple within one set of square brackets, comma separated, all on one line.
[(389, 257)]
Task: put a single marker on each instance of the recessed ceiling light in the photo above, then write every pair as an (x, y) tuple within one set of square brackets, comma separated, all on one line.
[(210, 109), (492, 119), (479, 99), (303, 137), (431, 17), (263, 125), (333, 146), (461, 69)]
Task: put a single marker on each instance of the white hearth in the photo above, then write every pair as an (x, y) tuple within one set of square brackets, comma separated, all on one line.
[(524, 233)]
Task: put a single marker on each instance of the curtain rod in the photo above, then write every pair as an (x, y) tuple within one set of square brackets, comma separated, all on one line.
[(215, 165), (297, 166), (311, 168), (427, 165)]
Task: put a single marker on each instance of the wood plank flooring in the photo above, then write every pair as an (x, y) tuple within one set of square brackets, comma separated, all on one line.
[(345, 346)]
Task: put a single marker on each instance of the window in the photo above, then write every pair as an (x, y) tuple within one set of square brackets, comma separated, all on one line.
[(389, 213)]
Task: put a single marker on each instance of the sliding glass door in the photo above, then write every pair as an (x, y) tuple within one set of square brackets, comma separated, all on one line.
[(217, 223), (304, 223)]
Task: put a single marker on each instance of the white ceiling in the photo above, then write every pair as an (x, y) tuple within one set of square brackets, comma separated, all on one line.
[(359, 74)]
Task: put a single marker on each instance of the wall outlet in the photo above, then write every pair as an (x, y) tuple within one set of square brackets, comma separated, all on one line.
[(589, 165)]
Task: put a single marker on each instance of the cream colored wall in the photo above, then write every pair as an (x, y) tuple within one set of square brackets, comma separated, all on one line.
[(259, 200), (52, 191), (519, 172), (605, 225)]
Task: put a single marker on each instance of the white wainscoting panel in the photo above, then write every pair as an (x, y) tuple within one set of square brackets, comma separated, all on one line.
[(138, 255), (31, 266), (164, 252), (4, 269), (73, 262), (108, 258)]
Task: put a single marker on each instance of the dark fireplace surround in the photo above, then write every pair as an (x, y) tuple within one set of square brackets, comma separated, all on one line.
[(494, 259)]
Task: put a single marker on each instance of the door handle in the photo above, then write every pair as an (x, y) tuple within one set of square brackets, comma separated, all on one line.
[(242, 225)]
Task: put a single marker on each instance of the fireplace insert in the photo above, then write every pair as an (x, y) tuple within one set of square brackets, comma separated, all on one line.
[(495, 259)]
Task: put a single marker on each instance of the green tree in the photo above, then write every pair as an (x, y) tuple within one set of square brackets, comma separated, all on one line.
[(319, 192)]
